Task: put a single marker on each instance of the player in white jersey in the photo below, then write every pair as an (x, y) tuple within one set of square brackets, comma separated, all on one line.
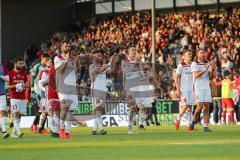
[(184, 84), (97, 72), (65, 65), (133, 88), (201, 71), (35, 74), (44, 108)]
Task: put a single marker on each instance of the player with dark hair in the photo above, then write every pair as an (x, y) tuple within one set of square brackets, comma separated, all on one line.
[(97, 71), (201, 71), (17, 85), (184, 84), (40, 117)]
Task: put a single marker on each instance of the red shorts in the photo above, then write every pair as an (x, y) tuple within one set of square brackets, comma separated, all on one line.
[(227, 103), (55, 105)]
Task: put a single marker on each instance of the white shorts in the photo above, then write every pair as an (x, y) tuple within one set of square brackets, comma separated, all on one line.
[(187, 98), (203, 96), (18, 105), (97, 102), (3, 103), (71, 100), (44, 105)]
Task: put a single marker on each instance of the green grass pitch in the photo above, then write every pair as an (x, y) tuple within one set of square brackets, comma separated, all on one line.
[(154, 143)]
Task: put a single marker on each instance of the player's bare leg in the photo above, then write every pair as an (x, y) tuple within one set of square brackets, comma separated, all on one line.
[(206, 117), (3, 116), (224, 114), (231, 113), (187, 110), (78, 122), (182, 111), (35, 122), (42, 120), (196, 115)]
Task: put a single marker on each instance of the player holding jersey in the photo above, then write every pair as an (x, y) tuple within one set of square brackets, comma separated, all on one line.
[(201, 72), (4, 77), (184, 84), (97, 72), (17, 84)]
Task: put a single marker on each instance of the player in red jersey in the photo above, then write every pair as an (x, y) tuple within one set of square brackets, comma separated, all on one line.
[(53, 101), (44, 109), (17, 85)]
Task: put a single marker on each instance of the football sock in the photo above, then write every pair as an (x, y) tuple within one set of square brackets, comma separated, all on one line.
[(95, 125), (56, 121), (141, 117), (62, 124), (68, 126), (36, 119), (130, 118), (189, 116), (224, 115), (43, 121), (4, 124), (50, 120), (16, 123)]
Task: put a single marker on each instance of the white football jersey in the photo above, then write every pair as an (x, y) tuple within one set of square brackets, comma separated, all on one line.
[(201, 83), (98, 82), (186, 76), (137, 83)]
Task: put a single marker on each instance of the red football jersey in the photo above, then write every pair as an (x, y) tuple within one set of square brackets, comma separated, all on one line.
[(52, 92), (15, 78)]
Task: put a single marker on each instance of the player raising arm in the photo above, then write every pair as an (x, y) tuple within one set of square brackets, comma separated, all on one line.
[(201, 71), (97, 72)]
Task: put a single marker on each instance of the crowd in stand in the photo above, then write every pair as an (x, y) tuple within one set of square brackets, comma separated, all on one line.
[(218, 35)]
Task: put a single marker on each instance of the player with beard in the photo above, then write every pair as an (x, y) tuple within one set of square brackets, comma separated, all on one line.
[(97, 72), (201, 71), (65, 66), (17, 85)]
